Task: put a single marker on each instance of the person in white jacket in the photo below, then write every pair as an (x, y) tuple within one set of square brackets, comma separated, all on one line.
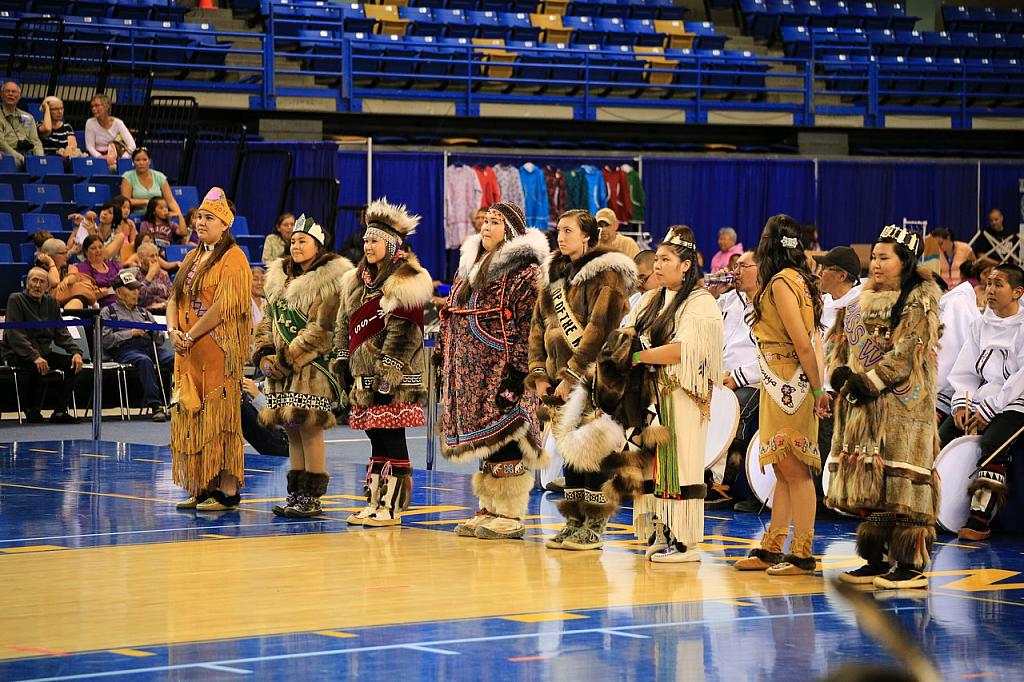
[(958, 310), (988, 393)]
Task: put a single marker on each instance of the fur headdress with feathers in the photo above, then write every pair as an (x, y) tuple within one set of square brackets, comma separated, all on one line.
[(394, 220)]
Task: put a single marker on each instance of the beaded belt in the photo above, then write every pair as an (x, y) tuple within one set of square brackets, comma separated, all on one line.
[(503, 469), (780, 356), (407, 380)]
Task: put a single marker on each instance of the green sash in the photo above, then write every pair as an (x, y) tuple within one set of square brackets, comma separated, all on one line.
[(289, 323)]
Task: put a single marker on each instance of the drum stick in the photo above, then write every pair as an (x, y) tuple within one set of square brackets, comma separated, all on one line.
[(999, 450), (967, 419)]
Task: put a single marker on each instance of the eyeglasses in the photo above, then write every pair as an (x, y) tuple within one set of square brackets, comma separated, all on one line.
[(644, 278), (744, 266)]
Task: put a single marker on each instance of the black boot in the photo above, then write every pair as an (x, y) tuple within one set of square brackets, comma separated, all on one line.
[(311, 488)]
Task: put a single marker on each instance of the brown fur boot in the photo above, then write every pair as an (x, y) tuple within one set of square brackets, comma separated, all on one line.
[(768, 554)]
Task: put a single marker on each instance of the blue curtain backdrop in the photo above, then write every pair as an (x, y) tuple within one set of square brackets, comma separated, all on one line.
[(1001, 188), (858, 198), (708, 194), (850, 202)]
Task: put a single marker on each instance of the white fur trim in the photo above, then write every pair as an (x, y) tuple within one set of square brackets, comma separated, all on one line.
[(303, 290), (530, 246), (612, 260), (585, 446), (394, 215), (533, 457)]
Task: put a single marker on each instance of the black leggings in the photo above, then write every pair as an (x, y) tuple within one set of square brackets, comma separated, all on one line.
[(999, 430), (388, 444), (588, 480)]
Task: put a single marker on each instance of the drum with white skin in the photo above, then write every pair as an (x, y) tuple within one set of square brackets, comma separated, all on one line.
[(955, 464), (725, 419), (762, 483)]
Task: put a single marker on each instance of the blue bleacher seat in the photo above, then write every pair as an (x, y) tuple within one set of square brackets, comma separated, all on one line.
[(644, 32), (124, 165), (6, 222), (584, 30), (455, 23), (707, 38), (6, 255), (245, 250), (91, 194), (354, 19), (240, 226), (488, 24), (186, 196), (40, 166), (522, 28), (40, 194), (10, 205), (8, 165), (28, 252), (87, 166), (30, 222), (176, 252)]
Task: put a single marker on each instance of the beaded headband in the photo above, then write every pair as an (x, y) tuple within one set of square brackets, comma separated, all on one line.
[(676, 240), (310, 227), (386, 234), (901, 235)]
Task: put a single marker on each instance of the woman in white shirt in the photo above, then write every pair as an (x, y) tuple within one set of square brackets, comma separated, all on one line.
[(107, 137), (988, 393)]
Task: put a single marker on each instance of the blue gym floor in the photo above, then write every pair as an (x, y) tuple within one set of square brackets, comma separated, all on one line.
[(608, 615)]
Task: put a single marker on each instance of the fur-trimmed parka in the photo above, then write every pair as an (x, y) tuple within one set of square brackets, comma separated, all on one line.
[(884, 447), (306, 396), (396, 354), (484, 345), (598, 286)]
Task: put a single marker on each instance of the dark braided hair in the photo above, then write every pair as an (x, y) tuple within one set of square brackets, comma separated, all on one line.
[(662, 322), (772, 258)]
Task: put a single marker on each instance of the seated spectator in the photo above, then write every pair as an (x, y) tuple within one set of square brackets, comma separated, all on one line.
[(610, 237), (56, 135), (259, 276), (645, 268), (142, 240), (113, 227), (102, 270), (136, 347), (190, 222), (145, 183), (156, 222), (952, 255), (840, 282), (72, 290), (996, 243), (32, 349), (39, 238), (276, 243), (156, 283), (727, 246), (107, 137), (18, 134), (272, 441)]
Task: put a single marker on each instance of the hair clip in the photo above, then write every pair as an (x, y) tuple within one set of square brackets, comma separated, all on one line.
[(790, 242)]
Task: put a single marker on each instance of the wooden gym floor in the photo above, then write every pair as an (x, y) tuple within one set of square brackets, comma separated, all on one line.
[(100, 577)]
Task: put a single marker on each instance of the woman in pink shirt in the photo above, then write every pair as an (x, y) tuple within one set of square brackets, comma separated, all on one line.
[(727, 246)]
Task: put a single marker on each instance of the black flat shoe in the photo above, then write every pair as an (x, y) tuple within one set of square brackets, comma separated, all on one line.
[(219, 502)]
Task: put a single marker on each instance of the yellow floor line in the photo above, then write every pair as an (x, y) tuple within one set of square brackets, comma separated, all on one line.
[(335, 633), (136, 653), (87, 454), (543, 617)]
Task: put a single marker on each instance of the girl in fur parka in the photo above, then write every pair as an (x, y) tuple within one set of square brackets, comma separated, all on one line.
[(886, 440), (379, 342), (293, 341), (485, 326), (583, 294)]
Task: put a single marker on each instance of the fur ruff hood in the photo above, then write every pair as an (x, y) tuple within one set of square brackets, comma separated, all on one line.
[(588, 267), (409, 286), (877, 304), (325, 277), (525, 250)]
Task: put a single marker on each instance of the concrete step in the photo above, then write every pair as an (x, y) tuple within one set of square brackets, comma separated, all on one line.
[(317, 104)]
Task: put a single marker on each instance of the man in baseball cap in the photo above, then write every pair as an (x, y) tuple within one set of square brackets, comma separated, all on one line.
[(608, 222), (136, 347), (842, 258)]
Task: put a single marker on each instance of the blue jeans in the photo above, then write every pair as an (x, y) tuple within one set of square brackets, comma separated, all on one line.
[(139, 354)]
